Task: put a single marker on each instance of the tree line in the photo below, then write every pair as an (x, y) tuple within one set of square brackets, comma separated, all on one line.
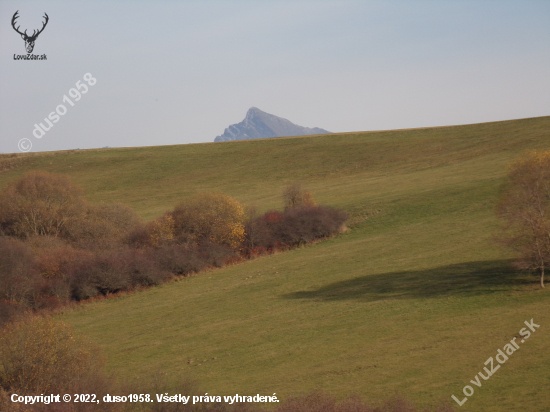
[(55, 247)]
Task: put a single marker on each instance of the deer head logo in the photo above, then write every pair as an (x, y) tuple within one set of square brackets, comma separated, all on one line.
[(29, 40)]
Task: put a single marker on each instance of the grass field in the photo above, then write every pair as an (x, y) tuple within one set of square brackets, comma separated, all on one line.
[(414, 298)]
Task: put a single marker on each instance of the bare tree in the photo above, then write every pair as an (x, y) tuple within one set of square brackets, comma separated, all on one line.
[(525, 209), (295, 195)]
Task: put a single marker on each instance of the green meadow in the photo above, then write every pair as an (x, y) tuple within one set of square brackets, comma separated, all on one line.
[(413, 298)]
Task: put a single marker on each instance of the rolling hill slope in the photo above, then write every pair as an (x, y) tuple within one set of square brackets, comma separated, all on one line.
[(414, 298)]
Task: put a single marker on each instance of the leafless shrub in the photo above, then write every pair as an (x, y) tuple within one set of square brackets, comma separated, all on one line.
[(10, 311), (56, 262), (19, 280), (215, 254), (143, 268), (99, 275), (295, 195), (140, 236), (308, 223), (103, 226), (297, 226), (39, 203), (257, 233), (179, 259)]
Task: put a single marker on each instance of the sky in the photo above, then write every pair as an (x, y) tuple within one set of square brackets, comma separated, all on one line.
[(175, 72)]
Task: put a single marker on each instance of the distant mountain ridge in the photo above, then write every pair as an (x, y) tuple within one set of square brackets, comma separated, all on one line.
[(259, 125)]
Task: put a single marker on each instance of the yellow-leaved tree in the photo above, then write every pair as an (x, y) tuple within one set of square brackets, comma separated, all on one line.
[(42, 355), (214, 217)]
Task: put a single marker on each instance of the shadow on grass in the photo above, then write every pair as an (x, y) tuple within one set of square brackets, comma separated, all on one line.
[(471, 278)]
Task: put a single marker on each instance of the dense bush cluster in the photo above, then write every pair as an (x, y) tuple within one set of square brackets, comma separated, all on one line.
[(293, 227), (55, 247)]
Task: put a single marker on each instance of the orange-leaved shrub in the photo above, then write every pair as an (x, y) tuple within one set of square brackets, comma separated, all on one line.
[(19, 278)]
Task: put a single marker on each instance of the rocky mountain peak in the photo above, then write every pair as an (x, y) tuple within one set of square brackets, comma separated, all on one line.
[(258, 124)]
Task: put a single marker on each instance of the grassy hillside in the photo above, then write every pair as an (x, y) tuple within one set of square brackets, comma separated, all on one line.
[(414, 298)]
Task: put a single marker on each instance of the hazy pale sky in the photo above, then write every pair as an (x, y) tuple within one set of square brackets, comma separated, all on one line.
[(171, 72)]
